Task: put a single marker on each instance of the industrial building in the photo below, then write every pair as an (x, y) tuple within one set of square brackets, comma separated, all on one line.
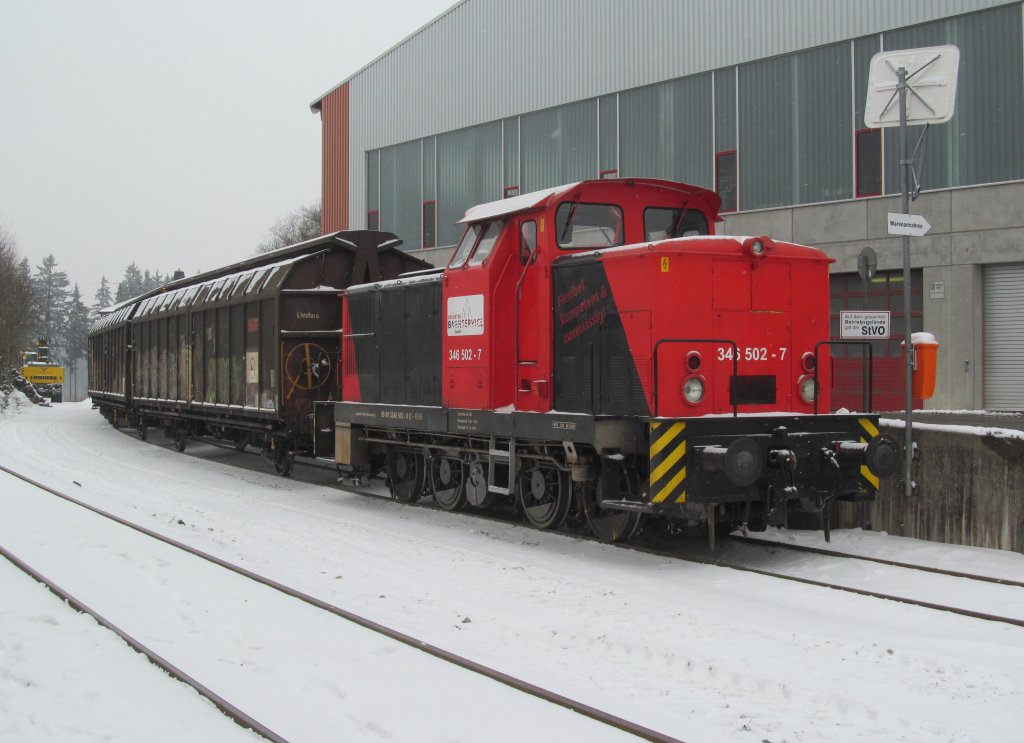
[(760, 100)]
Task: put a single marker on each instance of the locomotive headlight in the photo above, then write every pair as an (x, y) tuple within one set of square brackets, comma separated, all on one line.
[(693, 390), (757, 246), (807, 388), (808, 362)]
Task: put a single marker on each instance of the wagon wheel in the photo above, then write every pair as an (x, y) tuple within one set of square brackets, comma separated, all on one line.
[(448, 481), (615, 483), (545, 494), (405, 475), (143, 429), (180, 440), (476, 486), (284, 460)]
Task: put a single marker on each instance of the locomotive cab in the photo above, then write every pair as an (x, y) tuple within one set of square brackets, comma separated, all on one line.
[(499, 340)]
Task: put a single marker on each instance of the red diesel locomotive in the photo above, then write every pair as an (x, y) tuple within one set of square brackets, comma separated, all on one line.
[(595, 347)]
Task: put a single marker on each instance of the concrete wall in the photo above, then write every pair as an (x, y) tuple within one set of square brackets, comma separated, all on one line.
[(970, 490), (971, 227)]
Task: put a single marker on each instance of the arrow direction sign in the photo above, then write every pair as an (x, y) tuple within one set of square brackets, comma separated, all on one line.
[(913, 225)]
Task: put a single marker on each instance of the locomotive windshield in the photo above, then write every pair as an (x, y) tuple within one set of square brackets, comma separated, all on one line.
[(589, 225), (662, 223), (469, 239), (486, 244), (483, 236)]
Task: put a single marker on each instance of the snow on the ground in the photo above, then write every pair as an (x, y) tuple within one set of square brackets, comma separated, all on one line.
[(992, 563), (695, 651), (294, 668), (1005, 433), (64, 677)]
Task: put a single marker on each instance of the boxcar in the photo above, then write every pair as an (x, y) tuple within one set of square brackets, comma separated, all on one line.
[(240, 353)]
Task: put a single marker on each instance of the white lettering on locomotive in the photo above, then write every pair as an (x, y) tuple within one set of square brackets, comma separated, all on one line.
[(466, 315)]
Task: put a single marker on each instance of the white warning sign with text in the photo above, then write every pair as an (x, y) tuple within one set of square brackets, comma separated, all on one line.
[(864, 325)]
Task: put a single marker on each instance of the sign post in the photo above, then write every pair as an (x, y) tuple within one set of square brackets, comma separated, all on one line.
[(924, 90)]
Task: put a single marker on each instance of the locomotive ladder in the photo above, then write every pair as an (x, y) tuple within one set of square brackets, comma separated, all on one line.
[(505, 459)]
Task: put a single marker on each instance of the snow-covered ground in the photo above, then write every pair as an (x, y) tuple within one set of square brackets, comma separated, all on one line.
[(695, 651)]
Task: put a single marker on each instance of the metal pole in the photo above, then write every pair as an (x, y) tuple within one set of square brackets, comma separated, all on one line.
[(908, 347)]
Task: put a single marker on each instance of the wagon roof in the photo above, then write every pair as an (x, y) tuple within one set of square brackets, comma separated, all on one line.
[(354, 240)]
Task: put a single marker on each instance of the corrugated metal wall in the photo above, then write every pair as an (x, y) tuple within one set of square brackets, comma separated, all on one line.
[(487, 59), (1004, 337)]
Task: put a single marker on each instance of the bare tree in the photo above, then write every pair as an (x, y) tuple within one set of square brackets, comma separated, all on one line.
[(16, 316), (301, 224)]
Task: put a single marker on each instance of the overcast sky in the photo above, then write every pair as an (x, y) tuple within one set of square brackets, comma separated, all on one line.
[(170, 133)]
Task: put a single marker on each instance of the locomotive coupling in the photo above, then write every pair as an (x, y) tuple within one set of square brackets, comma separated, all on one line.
[(782, 459), (881, 454), (742, 461)]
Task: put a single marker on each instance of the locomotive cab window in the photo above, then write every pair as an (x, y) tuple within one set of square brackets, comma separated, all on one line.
[(527, 241), (486, 243), (662, 223), (469, 238), (589, 225)]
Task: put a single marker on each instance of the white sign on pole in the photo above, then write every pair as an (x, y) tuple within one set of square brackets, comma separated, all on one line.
[(908, 224), (931, 74), (864, 325)]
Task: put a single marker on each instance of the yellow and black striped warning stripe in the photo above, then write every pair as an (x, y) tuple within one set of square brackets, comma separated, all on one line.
[(868, 431), (668, 462)]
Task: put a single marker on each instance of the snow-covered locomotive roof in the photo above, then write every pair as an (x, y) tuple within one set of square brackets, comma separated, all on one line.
[(535, 199)]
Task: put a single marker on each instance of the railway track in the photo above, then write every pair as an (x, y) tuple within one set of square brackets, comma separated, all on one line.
[(248, 721), (768, 543), (679, 553), (925, 604), (243, 719)]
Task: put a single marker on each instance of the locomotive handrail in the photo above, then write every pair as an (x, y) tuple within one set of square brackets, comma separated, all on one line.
[(867, 380), (735, 363)]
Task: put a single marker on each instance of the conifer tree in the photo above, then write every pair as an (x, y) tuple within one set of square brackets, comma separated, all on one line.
[(131, 285), (102, 298), (51, 298)]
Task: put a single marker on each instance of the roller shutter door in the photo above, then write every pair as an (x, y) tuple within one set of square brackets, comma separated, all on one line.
[(1004, 337)]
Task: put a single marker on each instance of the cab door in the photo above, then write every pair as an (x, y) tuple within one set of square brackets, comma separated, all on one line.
[(477, 337), (533, 319)]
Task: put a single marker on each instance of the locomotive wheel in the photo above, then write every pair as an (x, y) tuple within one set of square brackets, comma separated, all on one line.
[(405, 475), (616, 483), (476, 486), (545, 494), (448, 481), (283, 461)]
